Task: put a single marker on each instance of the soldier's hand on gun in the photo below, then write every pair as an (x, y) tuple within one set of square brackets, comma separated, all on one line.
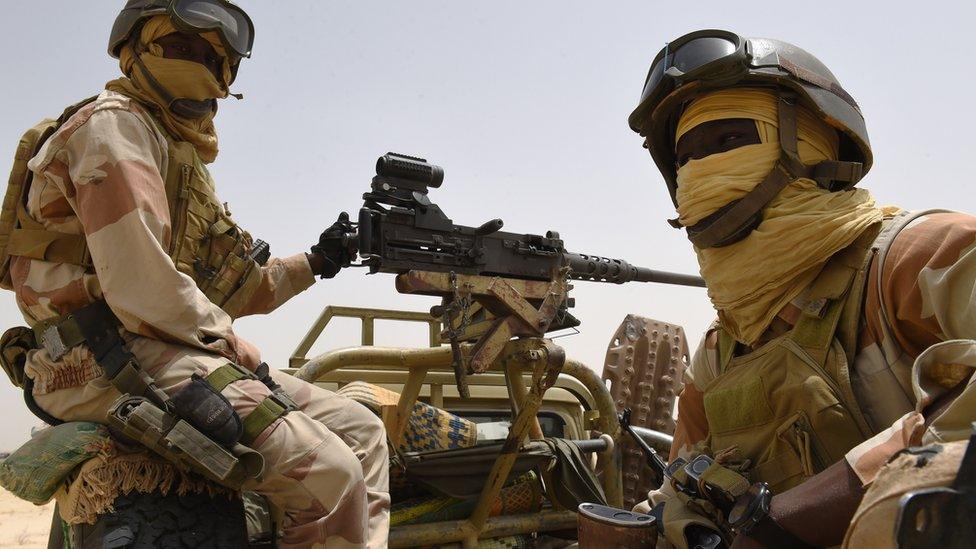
[(334, 250)]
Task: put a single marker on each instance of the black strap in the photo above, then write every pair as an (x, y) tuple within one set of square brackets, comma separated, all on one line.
[(966, 477), (34, 407), (100, 327)]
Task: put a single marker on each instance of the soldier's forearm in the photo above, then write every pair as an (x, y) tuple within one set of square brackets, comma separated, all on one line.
[(831, 496)]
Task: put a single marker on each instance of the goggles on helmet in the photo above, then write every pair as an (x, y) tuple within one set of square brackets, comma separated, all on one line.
[(229, 21), (714, 59), (712, 55), (717, 58)]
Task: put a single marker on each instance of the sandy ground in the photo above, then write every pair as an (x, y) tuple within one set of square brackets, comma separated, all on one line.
[(23, 524)]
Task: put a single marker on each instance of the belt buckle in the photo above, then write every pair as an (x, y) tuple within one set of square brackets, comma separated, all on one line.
[(284, 400), (52, 342)]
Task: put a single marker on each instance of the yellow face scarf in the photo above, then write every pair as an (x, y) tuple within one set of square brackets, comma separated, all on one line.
[(750, 281), (183, 79)]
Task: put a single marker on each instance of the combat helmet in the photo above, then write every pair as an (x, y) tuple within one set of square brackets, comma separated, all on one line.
[(229, 21), (707, 60)]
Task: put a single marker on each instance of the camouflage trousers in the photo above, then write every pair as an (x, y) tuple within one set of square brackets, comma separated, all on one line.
[(326, 466)]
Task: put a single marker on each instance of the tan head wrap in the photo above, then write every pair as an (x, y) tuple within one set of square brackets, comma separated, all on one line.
[(181, 78), (750, 281)]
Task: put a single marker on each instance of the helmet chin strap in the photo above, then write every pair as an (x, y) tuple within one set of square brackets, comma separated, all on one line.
[(736, 220), (184, 108)]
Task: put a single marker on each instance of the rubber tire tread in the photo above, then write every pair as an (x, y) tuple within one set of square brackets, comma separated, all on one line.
[(168, 522)]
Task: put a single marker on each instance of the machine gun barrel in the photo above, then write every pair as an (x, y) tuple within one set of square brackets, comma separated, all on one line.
[(604, 269)]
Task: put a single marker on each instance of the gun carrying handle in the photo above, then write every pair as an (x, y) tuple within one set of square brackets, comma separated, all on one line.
[(365, 232)]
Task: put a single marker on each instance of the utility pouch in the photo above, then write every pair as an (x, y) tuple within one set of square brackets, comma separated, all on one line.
[(14, 345), (209, 411), (177, 441)]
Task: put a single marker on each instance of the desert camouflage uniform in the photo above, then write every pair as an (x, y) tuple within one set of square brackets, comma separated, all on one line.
[(929, 284), (102, 175)]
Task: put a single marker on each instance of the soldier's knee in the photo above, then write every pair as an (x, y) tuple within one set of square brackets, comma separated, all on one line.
[(344, 467), (370, 431)]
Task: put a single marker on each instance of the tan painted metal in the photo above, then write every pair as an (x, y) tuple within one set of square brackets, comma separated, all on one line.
[(367, 316), (432, 367), (523, 308), (645, 362), (457, 530)]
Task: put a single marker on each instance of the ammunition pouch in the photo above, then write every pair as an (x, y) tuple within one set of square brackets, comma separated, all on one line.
[(197, 429), (274, 406), (14, 345), (209, 411), (181, 443)]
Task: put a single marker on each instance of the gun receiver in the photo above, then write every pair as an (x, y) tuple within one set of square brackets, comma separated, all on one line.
[(494, 285), (401, 230)]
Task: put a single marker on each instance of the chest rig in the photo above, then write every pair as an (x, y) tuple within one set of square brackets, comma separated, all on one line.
[(207, 244), (786, 410)]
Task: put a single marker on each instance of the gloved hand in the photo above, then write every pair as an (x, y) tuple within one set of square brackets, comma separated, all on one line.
[(688, 522), (333, 251)]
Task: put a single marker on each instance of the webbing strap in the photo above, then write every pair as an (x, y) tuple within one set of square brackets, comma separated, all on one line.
[(741, 212), (49, 246), (100, 328), (733, 222), (827, 171), (261, 417), (31, 239), (811, 77), (828, 294), (881, 246), (225, 375)]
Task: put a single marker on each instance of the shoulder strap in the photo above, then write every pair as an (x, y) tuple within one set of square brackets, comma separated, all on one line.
[(881, 246), (20, 234), (829, 293)]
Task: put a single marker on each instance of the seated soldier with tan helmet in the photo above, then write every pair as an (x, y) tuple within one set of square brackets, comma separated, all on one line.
[(130, 271), (845, 330)]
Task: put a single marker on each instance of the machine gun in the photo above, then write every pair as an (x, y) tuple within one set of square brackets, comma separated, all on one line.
[(494, 285)]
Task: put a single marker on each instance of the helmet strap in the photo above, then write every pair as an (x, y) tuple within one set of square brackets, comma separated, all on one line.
[(736, 220)]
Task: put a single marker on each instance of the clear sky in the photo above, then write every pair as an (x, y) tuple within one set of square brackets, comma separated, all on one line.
[(525, 106)]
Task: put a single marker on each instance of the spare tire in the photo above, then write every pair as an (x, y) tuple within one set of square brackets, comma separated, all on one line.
[(152, 520)]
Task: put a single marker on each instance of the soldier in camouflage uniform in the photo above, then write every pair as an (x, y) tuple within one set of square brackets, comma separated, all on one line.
[(126, 177), (845, 331)]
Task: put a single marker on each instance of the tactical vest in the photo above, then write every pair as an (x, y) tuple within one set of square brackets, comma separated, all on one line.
[(787, 410), (207, 244)]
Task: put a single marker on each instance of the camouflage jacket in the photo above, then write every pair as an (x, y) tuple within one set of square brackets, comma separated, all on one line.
[(929, 284), (102, 175)]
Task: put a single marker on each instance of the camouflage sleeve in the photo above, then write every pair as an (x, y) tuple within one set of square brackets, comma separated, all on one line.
[(691, 425), (113, 177), (929, 281), (281, 280), (928, 286)]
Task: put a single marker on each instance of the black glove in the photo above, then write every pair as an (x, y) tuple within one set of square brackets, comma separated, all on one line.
[(336, 247)]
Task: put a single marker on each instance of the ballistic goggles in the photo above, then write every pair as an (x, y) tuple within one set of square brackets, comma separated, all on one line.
[(229, 21), (716, 59)]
